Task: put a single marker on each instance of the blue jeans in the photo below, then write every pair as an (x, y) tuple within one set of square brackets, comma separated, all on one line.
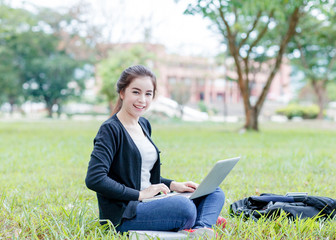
[(176, 213)]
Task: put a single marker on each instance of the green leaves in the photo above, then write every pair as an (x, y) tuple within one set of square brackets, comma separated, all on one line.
[(313, 49), (256, 33), (35, 62)]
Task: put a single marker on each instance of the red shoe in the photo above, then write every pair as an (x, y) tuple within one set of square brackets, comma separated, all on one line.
[(221, 222)]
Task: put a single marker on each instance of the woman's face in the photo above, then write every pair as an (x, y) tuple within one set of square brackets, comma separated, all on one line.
[(138, 96)]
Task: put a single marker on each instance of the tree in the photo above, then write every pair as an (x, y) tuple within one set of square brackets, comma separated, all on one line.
[(51, 78), (255, 32), (10, 84), (119, 59), (49, 72), (315, 50), (14, 24), (76, 36), (41, 66), (180, 92)]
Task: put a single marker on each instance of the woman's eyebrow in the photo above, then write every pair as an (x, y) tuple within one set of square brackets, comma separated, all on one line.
[(135, 88)]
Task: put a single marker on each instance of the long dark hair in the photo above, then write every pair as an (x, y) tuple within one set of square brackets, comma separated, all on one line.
[(126, 78)]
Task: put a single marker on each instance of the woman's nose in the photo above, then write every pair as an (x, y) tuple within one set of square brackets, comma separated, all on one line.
[(141, 98)]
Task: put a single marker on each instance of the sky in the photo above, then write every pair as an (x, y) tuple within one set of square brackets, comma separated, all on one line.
[(124, 21)]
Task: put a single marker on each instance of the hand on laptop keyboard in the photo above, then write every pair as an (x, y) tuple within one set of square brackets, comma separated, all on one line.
[(183, 186), (153, 190)]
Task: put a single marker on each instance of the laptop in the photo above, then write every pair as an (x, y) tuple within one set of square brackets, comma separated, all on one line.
[(209, 184)]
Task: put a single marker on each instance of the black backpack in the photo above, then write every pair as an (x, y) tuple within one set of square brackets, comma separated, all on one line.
[(272, 205)]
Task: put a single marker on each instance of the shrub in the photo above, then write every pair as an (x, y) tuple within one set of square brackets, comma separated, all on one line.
[(202, 106), (296, 110)]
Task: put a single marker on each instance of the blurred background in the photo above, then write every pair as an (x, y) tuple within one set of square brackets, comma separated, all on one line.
[(214, 60)]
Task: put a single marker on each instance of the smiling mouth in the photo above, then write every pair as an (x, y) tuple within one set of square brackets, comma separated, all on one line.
[(139, 107)]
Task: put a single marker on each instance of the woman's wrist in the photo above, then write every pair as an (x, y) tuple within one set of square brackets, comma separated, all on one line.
[(172, 186)]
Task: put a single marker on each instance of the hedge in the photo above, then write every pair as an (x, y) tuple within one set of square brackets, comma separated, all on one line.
[(296, 110)]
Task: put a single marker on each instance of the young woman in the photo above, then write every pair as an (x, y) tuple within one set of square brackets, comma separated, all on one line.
[(125, 165)]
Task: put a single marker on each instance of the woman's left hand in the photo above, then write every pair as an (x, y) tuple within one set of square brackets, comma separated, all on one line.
[(183, 186)]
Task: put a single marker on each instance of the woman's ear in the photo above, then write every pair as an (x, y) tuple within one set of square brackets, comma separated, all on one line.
[(121, 94)]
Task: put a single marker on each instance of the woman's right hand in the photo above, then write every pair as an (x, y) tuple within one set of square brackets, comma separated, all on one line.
[(152, 190)]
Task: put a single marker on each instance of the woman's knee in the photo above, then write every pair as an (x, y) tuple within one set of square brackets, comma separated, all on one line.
[(187, 211), (219, 194)]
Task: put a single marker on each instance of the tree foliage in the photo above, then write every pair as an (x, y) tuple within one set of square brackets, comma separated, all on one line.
[(314, 49), (14, 25), (256, 33), (180, 92), (35, 61), (49, 79)]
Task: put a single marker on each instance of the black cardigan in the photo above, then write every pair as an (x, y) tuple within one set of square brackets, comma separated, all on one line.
[(114, 170)]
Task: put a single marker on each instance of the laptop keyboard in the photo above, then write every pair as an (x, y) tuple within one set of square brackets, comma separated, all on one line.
[(187, 195)]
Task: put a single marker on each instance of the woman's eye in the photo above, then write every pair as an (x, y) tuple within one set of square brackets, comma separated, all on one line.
[(149, 94), (135, 92)]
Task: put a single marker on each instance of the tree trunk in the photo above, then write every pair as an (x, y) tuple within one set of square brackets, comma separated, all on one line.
[(251, 119), (49, 108), (59, 110), (49, 103), (11, 111), (320, 91), (251, 113), (11, 103), (181, 109)]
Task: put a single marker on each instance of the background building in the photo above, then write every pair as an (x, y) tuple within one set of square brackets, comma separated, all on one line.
[(202, 79)]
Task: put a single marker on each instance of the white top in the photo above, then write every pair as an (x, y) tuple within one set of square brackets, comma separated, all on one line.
[(148, 155)]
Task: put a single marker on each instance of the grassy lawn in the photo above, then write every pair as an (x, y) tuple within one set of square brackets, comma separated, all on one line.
[(43, 166)]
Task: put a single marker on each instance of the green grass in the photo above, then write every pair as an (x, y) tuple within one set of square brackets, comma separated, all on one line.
[(43, 166)]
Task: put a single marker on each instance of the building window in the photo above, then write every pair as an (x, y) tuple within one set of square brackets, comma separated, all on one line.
[(187, 81), (171, 80), (201, 96), (201, 82), (220, 97)]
